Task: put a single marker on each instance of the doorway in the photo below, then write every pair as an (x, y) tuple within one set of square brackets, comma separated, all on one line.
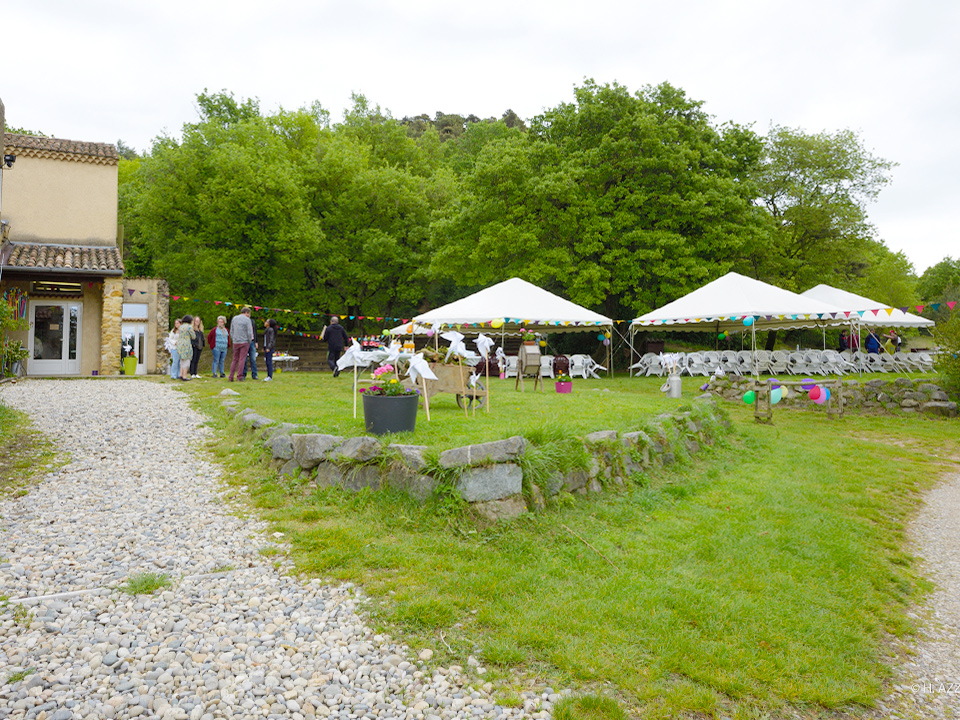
[(134, 343), (54, 339)]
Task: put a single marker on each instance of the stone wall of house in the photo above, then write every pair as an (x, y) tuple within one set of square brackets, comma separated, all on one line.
[(162, 319), (489, 476), (900, 394), (110, 336)]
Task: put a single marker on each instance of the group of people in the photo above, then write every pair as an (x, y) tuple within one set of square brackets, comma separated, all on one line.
[(186, 342), (872, 344)]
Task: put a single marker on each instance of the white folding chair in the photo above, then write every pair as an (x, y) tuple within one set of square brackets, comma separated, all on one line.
[(546, 366), (592, 366), (763, 362), (797, 363), (730, 362), (578, 366), (779, 362), (711, 361), (745, 359), (512, 366), (694, 364), (655, 366)]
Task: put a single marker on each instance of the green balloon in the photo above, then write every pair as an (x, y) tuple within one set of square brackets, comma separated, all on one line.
[(749, 396)]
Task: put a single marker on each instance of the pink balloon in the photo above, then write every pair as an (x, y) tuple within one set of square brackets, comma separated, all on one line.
[(821, 399)]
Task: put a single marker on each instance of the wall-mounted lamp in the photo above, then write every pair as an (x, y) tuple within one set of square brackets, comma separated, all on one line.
[(9, 160)]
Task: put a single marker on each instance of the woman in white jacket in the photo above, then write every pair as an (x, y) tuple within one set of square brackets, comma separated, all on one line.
[(170, 344)]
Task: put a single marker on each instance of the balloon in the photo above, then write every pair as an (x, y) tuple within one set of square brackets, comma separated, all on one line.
[(748, 320), (815, 393), (543, 343), (749, 396), (497, 323), (429, 333), (808, 383), (722, 336), (826, 392), (601, 336), (775, 395), (608, 335), (606, 341), (822, 398)]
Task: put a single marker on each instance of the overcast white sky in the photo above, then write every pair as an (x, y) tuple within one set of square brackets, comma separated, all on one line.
[(103, 70)]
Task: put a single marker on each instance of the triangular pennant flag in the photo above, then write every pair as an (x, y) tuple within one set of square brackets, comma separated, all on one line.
[(935, 306), (903, 309), (130, 291), (846, 313), (861, 312), (889, 311), (174, 297), (919, 308), (217, 302), (951, 304)]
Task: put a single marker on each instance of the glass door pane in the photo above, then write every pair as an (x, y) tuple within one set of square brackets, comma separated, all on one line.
[(48, 332), (74, 323)]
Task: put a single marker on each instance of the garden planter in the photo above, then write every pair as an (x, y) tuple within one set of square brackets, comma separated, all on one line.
[(384, 414), (129, 365), (564, 387)]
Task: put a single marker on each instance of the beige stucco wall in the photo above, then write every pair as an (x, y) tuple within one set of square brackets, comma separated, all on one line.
[(61, 201), (151, 292)]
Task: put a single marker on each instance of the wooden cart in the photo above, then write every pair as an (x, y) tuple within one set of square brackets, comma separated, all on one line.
[(454, 379)]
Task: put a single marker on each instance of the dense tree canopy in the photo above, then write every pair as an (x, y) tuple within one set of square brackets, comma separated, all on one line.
[(618, 200)]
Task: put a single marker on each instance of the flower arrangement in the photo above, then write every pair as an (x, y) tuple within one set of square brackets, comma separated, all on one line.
[(391, 387), (563, 377)]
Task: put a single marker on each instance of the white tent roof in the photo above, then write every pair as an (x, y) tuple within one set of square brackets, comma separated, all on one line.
[(870, 311), (516, 302), (724, 303)]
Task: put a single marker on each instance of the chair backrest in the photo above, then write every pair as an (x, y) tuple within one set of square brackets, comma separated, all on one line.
[(578, 364), (546, 365)]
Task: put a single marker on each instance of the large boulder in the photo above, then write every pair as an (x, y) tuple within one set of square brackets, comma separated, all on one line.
[(937, 407), (493, 482), (280, 447), (411, 455), (505, 509), (359, 449), (500, 451), (309, 450)]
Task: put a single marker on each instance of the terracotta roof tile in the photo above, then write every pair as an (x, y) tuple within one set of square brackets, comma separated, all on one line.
[(34, 256), (32, 145)]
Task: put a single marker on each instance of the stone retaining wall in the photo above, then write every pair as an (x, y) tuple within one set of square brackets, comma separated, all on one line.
[(895, 395), (488, 476)]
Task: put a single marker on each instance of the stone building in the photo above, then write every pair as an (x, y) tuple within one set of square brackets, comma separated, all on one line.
[(61, 263)]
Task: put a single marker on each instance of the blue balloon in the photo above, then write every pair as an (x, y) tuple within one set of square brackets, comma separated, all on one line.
[(748, 320)]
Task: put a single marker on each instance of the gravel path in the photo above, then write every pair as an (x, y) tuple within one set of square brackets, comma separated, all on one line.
[(232, 638), (926, 681)]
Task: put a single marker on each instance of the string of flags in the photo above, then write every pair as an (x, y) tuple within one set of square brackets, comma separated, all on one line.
[(557, 323), (817, 316)]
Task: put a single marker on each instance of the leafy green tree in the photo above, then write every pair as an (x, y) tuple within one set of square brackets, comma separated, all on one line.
[(884, 275), (940, 283), (224, 213), (622, 200), (816, 189)]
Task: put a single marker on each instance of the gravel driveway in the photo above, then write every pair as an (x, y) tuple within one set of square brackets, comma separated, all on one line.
[(233, 637)]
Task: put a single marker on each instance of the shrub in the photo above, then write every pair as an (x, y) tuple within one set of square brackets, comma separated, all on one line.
[(947, 362)]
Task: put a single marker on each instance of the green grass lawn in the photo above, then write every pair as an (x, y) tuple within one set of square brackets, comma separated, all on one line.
[(764, 575)]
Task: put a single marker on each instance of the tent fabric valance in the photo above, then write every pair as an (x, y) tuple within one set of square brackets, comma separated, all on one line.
[(869, 312)]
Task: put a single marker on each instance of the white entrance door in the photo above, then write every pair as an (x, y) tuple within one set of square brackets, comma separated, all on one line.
[(54, 342), (135, 341)]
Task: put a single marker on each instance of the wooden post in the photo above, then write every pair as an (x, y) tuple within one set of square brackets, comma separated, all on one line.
[(354, 392), (463, 387), (426, 397), (487, 367)]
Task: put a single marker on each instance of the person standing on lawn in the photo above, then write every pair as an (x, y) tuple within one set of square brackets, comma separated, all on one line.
[(269, 345), (241, 330), (337, 339), (185, 346), (219, 341), (197, 347), (171, 346)]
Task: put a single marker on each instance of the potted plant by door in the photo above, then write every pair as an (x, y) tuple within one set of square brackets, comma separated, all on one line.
[(130, 364), (564, 383), (389, 406)]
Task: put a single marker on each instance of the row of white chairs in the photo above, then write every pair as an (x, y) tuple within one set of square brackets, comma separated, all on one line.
[(582, 366), (781, 362)]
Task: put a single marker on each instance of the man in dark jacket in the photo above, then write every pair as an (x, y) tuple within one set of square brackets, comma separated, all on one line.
[(337, 339)]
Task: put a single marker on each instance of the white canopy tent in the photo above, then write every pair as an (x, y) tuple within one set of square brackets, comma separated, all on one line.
[(508, 308), (723, 304), (870, 312), (518, 304)]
